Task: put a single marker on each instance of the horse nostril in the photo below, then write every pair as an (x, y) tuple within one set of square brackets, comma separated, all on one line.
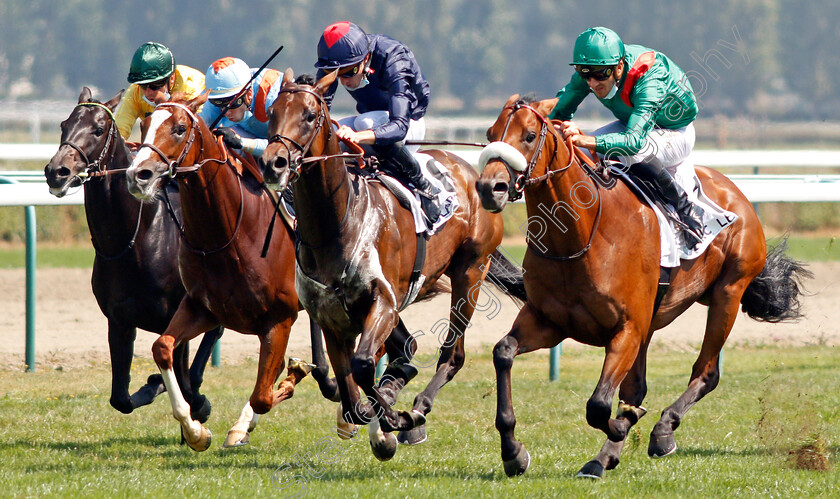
[(500, 187), (62, 172), (280, 163), (143, 175)]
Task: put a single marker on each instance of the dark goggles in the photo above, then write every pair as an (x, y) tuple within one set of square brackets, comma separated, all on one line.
[(155, 85), (599, 74), (350, 72), (229, 102)]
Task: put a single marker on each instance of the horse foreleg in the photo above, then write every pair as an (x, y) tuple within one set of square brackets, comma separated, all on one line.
[(527, 334), (400, 347), (621, 354), (200, 406), (631, 394), (723, 310), (187, 323), (121, 347), (321, 373), (352, 411)]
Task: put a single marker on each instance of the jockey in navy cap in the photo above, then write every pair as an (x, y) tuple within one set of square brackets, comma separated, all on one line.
[(383, 77)]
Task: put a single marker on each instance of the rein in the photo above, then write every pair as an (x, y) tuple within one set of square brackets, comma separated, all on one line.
[(174, 168), (519, 182)]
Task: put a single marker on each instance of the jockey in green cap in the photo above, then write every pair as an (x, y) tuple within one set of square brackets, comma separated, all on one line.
[(154, 77), (655, 106)]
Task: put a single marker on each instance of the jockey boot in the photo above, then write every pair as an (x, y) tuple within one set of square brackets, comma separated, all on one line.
[(400, 160), (689, 215)]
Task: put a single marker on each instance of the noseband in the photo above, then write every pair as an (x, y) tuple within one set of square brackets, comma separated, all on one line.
[(95, 168)]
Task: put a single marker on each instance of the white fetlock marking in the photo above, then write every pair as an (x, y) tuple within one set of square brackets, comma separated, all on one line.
[(180, 407), (375, 433), (243, 423)]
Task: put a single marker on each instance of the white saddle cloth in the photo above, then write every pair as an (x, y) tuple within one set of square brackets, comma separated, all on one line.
[(447, 198), (715, 219)]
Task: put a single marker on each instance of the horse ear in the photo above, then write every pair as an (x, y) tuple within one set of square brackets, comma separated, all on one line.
[(546, 106), (288, 76), (199, 101), (85, 96), (115, 101), (513, 98), (325, 82)]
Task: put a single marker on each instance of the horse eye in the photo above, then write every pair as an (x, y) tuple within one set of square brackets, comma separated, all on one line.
[(99, 131), (310, 117), (181, 129), (531, 136)]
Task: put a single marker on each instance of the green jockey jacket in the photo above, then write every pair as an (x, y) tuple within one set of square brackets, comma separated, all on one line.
[(653, 92)]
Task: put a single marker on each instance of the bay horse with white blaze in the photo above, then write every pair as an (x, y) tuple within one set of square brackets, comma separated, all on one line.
[(229, 281), (135, 269), (355, 259), (596, 280)]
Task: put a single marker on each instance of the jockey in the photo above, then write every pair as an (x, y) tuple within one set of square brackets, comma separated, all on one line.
[(655, 106), (245, 125), (383, 77), (154, 77)]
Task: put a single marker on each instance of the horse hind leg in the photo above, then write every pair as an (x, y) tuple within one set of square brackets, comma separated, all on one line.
[(723, 310)]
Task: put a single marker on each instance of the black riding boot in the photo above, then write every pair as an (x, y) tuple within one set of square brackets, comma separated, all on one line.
[(674, 193), (398, 157)]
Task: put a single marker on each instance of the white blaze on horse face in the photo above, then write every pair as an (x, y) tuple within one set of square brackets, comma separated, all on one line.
[(158, 117)]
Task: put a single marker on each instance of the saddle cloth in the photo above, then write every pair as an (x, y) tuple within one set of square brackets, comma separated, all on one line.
[(447, 198), (715, 218)]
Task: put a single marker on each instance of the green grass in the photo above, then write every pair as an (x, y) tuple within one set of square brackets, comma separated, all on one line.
[(59, 436)]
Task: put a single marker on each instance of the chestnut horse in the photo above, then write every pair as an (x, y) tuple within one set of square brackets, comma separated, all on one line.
[(355, 257), (595, 281), (135, 271), (226, 219)]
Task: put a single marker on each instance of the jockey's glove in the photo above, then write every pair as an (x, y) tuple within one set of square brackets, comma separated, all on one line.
[(231, 138)]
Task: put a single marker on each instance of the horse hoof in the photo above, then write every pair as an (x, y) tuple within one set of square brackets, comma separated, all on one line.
[(300, 366), (385, 449), (592, 469), (203, 442), (662, 445), (412, 437), (236, 439), (519, 464), (345, 430), (202, 414)]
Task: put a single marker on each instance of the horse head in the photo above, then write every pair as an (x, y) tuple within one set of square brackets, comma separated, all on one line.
[(298, 127), (88, 136), (516, 140), (173, 135)]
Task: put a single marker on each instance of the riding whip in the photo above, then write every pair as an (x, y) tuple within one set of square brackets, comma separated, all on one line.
[(245, 88)]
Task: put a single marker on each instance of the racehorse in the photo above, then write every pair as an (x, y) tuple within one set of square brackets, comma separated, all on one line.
[(135, 272), (592, 276), (235, 264), (355, 257)]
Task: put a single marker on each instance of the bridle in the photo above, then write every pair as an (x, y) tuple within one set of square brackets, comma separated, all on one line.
[(96, 168), (175, 167), (296, 165), (519, 180)]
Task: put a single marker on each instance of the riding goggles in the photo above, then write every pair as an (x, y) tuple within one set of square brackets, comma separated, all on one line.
[(155, 85), (229, 102), (587, 72), (351, 72)]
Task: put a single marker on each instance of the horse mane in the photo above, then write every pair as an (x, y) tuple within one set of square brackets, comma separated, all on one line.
[(527, 99)]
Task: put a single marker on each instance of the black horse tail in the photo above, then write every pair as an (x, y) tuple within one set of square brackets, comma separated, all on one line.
[(773, 296), (507, 276)]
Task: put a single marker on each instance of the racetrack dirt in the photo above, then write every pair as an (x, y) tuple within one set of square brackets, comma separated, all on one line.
[(72, 332)]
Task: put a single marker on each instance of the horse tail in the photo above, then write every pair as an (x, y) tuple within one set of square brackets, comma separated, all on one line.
[(507, 276), (773, 296)]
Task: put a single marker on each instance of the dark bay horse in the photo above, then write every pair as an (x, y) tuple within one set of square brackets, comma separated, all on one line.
[(355, 257), (135, 271), (592, 276), (226, 219)]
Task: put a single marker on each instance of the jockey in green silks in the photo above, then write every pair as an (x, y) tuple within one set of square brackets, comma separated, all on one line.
[(655, 106)]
